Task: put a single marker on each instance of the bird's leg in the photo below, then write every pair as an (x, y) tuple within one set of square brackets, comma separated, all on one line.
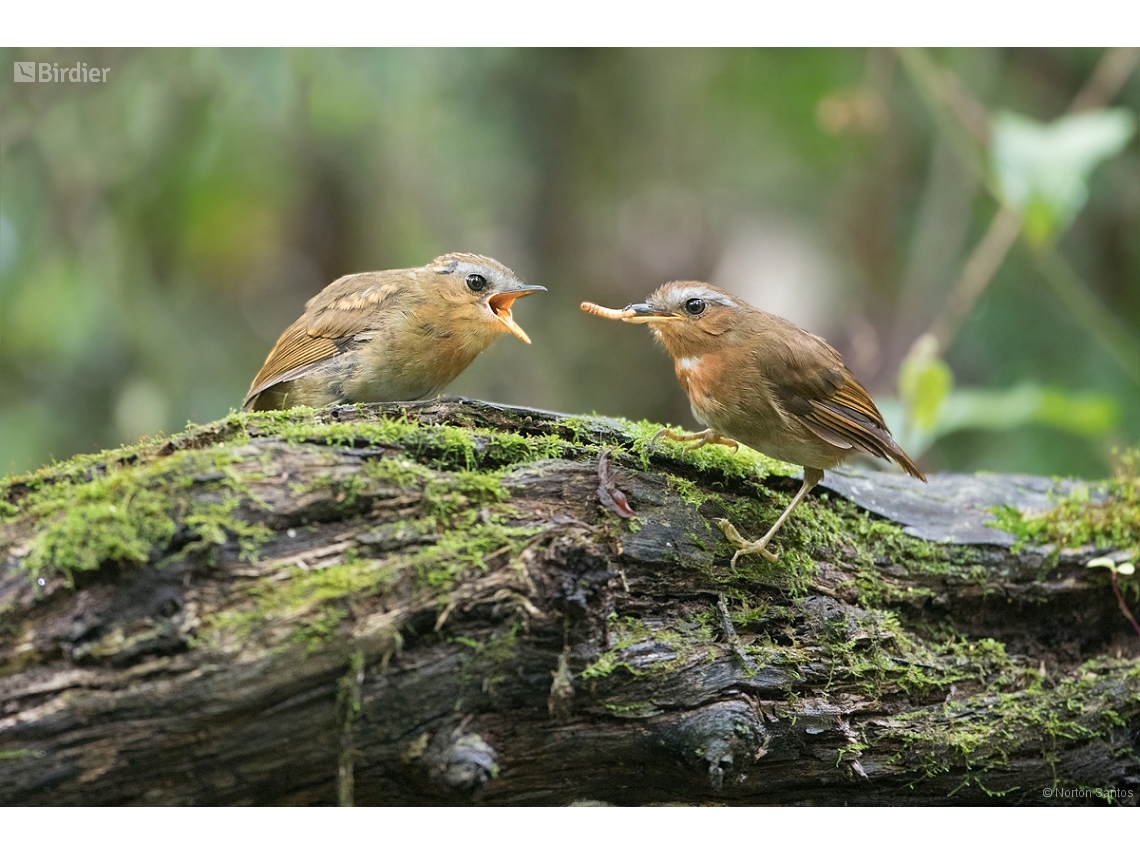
[(696, 440), (744, 547)]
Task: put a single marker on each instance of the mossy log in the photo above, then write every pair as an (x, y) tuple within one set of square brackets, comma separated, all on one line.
[(448, 603)]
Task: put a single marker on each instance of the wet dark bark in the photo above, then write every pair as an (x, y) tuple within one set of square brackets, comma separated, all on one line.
[(568, 654)]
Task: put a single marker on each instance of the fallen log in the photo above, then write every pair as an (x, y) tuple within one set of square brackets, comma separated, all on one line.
[(448, 602)]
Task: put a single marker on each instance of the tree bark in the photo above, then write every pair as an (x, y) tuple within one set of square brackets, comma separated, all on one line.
[(447, 602)]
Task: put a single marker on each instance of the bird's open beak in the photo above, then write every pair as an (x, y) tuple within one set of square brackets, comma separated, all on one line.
[(643, 313), (500, 304)]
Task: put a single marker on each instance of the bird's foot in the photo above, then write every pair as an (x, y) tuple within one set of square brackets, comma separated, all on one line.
[(695, 440), (746, 547)]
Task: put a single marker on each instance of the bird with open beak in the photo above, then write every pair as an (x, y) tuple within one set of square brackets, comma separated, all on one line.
[(392, 335), (755, 378)]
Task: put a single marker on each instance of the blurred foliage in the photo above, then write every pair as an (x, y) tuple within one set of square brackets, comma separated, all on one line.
[(1043, 170), (158, 231), (924, 382), (933, 409)]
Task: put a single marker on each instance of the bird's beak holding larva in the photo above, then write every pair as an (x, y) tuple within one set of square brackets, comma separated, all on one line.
[(643, 313), (501, 307), (636, 313)]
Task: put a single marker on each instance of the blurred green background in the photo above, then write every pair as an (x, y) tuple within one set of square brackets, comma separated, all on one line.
[(158, 231)]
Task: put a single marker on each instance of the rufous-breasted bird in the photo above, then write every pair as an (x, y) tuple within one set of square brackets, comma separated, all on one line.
[(392, 335), (755, 378)]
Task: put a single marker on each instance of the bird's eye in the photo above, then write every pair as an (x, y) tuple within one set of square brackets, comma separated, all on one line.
[(694, 306), (476, 282)]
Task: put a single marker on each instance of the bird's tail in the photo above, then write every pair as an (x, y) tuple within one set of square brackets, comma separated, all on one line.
[(900, 457), (846, 427)]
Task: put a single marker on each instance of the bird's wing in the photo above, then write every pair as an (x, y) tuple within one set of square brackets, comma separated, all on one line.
[(345, 311), (815, 387)]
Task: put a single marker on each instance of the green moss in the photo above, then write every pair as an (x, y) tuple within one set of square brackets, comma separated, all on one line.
[(108, 519), (130, 515), (630, 632), (749, 613), (466, 520), (803, 537), (446, 497), (214, 522), (979, 735), (459, 552), (84, 467), (877, 657), (866, 655), (823, 526), (128, 506), (486, 663), (1077, 518), (638, 709), (401, 472), (449, 445), (689, 492), (20, 754), (319, 595), (316, 628), (741, 464), (641, 439), (503, 448), (446, 446), (499, 648), (605, 665), (80, 468), (465, 516)]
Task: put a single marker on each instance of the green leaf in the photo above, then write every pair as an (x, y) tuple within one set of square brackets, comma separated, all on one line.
[(1126, 569), (1043, 170), (924, 381), (1087, 414), (1027, 403)]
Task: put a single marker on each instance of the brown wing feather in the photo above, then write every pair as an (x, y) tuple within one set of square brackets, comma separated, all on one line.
[(349, 306), (295, 354), (333, 318), (816, 387), (854, 397)]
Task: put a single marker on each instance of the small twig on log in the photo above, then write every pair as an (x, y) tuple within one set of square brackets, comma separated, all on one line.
[(348, 702), (609, 495), (1123, 605), (730, 633)]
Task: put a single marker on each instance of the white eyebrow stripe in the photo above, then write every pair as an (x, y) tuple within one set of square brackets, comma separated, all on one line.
[(685, 294)]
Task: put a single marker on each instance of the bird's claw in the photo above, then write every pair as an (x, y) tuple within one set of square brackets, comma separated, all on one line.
[(745, 547), (693, 441)]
